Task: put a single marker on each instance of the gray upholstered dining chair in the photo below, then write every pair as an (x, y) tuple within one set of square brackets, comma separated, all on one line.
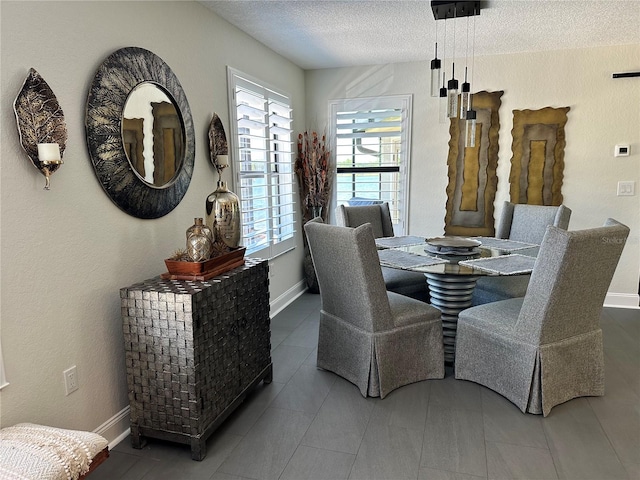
[(377, 340), (411, 284), (546, 348), (522, 223)]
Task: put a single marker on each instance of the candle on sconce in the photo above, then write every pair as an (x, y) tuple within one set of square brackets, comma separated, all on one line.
[(222, 160), (49, 152)]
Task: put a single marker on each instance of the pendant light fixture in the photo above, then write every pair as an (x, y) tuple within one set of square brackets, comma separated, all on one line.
[(465, 93), (443, 10), (452, 94), (443, 101), (470, 129), (443, 107), (471, 121), (452, 85), (465, 96), (436, 65)]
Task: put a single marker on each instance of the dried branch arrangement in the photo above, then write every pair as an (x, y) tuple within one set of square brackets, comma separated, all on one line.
[(314, 176)]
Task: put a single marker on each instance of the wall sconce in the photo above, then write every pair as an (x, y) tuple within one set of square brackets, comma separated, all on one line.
[(222, 160), (218, 149), (41, 125)]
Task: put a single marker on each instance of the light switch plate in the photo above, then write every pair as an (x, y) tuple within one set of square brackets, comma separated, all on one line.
[(626, 188)]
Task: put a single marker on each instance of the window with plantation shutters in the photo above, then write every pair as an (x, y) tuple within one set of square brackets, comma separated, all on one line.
[(261, 142), (371, 137)]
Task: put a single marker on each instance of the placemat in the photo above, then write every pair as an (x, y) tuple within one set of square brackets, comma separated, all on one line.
[(406, 260), (503, 265), (399, 241), (529, 251), (504, 244)]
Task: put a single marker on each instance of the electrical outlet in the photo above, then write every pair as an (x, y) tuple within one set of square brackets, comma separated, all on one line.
[(70, 380)]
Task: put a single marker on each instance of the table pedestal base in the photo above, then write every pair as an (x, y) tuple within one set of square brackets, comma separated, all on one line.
[(450, 294)]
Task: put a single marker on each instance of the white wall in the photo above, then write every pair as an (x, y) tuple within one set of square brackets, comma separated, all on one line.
[(66, 253), (604, 112)]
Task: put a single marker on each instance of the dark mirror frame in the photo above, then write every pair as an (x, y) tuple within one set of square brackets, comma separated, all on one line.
[(118, 75)]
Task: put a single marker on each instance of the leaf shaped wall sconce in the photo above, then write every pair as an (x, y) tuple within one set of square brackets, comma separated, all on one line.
[(41, 125), (218, 149)]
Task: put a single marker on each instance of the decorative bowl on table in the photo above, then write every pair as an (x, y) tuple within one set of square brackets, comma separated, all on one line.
[(452, 245)]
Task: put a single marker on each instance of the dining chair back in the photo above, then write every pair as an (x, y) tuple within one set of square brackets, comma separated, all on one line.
[(570, 280), (411, 284), (546, 348), (348, 268), (376, 339), (528, 223), (522, 223), (379, 216)]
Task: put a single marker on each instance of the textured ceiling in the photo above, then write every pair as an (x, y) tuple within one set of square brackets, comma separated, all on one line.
[(326, 33)]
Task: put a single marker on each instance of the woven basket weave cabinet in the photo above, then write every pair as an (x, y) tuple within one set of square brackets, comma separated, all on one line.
[(193, 351)]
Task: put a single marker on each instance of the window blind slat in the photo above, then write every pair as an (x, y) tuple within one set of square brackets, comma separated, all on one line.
[(251, 111), (365, 114), (280, 131), (251, 124), (395, 125), (367, 135), (245, 97), (281, 144), (278, 119)]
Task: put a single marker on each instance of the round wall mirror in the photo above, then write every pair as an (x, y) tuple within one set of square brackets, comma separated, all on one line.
[(152, 134), (140, 133)]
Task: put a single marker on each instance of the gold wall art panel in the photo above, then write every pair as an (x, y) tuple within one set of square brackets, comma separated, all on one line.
[(537, 163), (472, 171)]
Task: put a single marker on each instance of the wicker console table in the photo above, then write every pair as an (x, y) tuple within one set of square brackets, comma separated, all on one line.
[(193, 351)]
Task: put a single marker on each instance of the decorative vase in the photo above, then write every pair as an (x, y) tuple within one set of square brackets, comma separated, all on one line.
[(223, 215), (310, 272), (316, 211), (307, 262), (199, 241)]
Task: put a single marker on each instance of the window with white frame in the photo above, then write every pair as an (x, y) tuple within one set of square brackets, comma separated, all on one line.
[(261, 140), (371, 139)]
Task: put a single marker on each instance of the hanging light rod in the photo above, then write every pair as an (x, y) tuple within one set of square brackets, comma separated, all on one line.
[(443, 9), (625, 74)]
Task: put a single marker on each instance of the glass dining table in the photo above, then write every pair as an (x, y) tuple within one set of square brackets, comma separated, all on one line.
[(452, 273)]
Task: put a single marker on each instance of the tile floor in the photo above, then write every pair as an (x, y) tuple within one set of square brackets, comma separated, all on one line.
[(311, 424)]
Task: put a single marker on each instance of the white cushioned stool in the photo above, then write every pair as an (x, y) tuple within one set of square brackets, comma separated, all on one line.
[(38, 452)]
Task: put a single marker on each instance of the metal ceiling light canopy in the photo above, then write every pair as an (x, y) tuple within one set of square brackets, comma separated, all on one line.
[(443, 9)]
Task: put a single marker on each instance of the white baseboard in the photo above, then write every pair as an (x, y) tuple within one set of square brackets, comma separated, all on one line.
[(116, 428), (124, 435), (622, 300), (287, 297)]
